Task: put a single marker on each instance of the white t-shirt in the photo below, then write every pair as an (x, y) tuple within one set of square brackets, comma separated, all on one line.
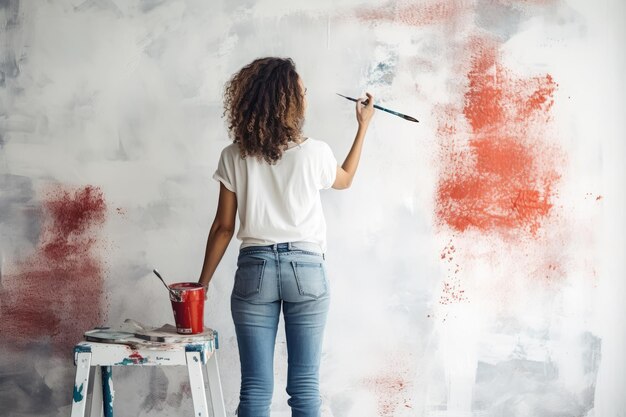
[(280, 203)]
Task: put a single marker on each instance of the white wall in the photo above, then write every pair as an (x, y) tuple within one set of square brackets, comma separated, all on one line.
[(126, 97)]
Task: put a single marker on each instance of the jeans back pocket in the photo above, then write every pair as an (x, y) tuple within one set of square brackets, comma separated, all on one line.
[(249, 278), (310, 278)]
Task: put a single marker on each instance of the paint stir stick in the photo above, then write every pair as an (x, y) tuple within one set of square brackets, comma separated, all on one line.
[(172, 293)]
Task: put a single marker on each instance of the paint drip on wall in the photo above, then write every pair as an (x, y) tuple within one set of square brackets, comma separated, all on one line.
[(57, 292)]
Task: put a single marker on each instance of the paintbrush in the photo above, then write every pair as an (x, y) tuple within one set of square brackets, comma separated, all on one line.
[(376, 106)]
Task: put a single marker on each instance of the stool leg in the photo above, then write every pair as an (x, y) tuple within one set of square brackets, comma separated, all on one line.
[(81, 384), (96, 395), (107, 390), (215, 386), (194, 366)]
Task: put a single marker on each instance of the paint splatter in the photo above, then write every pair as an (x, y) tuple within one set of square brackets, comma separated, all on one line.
[(503, 178), (452, 292), (65, 240), (392, 385), (134, 359), (388, 390), (78, 393), (596, 197), (448, 252), (57, 293)]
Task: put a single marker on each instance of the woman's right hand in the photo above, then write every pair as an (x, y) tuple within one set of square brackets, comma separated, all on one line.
[(345, 172), (364, 113)]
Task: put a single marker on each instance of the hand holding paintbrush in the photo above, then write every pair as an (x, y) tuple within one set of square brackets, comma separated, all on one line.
[(365, 109), (346, 171)]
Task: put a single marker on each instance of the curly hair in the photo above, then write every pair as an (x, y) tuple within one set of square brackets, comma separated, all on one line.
[(264, 105)]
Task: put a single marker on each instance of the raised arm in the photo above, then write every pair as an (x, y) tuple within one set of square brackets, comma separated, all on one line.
[(221, 233), (345, 172)]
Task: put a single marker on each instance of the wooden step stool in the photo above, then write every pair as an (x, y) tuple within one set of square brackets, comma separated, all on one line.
[(194, 352)]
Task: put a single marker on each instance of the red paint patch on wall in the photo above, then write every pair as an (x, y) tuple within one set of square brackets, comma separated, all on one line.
[(57, 293), (504, 179)]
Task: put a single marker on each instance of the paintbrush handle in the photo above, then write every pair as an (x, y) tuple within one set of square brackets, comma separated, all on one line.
[(395, 113), (376, 106)]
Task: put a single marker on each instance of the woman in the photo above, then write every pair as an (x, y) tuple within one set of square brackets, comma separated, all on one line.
[(272, 175)]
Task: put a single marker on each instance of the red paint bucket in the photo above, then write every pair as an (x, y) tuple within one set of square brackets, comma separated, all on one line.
[(188, 306)]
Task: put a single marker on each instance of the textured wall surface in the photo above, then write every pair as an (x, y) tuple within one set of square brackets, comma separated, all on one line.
[(476, 263)]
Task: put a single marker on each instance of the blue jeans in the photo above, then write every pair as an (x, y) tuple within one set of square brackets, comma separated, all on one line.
[(268, 278)]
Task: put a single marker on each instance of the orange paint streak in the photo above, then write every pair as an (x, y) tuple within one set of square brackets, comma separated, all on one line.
[(501, 182)]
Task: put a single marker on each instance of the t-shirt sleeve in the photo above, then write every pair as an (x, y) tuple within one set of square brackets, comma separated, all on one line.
[(225, 172), (328, 167)]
